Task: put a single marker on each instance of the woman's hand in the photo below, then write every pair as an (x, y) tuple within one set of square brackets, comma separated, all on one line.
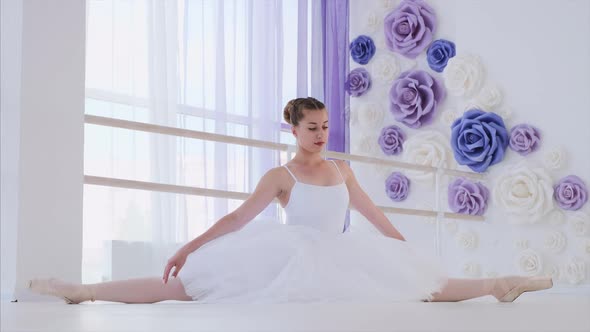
[(177, 261)]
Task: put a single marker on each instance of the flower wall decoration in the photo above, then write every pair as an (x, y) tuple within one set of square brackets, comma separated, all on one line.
[(464, 75), (409, 27), (439, 53), (479, 139), (362, 49), (524, 139), (414, 98), (570, 193), (524, 192), (467, 197), (426, 148), (358, 82), (397, 186), (529, 262), (391, 140)]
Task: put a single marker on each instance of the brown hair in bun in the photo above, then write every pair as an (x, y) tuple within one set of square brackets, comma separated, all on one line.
[(293, 111)]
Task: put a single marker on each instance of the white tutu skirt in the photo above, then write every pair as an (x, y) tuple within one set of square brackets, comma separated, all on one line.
[(274, 263)]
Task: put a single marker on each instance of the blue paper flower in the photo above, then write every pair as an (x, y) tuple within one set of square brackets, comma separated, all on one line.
[(439, 53), (362, 49), (479, 139)]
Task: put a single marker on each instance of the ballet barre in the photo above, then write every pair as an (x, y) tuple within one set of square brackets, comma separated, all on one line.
[(201, 135)]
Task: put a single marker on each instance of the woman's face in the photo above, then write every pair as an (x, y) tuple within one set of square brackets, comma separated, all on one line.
[(312, 131)]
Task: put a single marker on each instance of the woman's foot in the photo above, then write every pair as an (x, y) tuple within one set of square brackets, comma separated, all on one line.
[(71, 293), (507, 289)]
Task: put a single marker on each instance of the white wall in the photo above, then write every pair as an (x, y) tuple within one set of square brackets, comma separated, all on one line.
[(10, 48), (49, 241), (537, 52)]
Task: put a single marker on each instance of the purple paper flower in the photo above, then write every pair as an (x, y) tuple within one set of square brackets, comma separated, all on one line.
[(397, 186), (479, 139), (414, 98), (524, 139), (439, 53), (358, 82), (391, 140), (468, 197), (409, 27), (362, 49), (570, 193)]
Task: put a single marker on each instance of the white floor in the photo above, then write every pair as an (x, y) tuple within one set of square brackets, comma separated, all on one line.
[(531, 312)]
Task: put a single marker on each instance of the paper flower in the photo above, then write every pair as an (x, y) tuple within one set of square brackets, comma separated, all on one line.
[(362, 49), (489, 97), (555, 158), (464, 75), (524, 193), (555, 241), (467, 197), (409, 27), (570, 193), (385, 68), (521, 244), (391, 140), (397, 186), (580, 223), (358, 82), (529, 262), (414, 98), (428, 148), (574, 271), (367, 146), (467, 240), (524, 139), (556, 217), (479, 139), (439, 53), (370, 115)]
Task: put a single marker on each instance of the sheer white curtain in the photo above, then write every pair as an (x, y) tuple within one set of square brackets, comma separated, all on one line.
[(220, 66)]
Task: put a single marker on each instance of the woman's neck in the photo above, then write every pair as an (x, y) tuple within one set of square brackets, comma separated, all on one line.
[(308, 158)]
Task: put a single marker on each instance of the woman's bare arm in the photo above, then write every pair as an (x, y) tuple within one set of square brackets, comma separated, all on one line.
[(267, 189), (362, 203)]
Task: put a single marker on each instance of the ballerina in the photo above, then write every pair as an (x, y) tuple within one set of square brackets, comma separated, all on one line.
[(309, 258)]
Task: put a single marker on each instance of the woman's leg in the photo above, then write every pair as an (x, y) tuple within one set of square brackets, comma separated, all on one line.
[(505, 289), (141, 290)]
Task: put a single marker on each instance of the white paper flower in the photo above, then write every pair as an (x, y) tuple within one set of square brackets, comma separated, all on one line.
[(448, 117), (553, 272), (491, 274), (555, 158), (451, 227), (574, 271), (467, 240), (556, 217), (580, 223), (471, 270), (370, 116), (472, 104), (489, 97), (504, 112), (525, 193), (367, 145), (555, 241), (529, 262), (385, 68), (585, 246), (521, 244), (373, 21), (388, 4), (464, 75), (429, 148)]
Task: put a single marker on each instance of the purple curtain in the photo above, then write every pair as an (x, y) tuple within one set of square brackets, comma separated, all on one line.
[(335, 37)]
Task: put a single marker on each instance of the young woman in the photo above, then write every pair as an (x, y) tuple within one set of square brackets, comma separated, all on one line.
[(309, 258)]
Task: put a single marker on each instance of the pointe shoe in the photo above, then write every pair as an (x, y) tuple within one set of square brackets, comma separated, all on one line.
[(528, 285), (70, 293)]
